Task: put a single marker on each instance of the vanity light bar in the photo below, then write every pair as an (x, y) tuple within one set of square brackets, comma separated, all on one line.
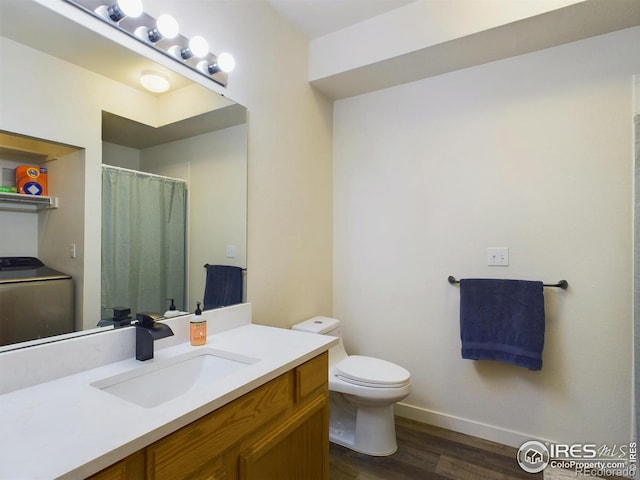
[(144, 28)]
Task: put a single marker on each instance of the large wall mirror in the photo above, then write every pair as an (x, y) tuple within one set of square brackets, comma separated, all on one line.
[(71, 101)]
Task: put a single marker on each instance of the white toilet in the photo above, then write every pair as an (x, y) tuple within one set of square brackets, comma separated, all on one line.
[(362, 391)]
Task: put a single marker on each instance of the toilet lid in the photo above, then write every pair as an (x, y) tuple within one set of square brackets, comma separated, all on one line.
[(371, 372)]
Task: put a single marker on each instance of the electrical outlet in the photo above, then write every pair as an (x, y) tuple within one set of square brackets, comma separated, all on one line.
[(498, 256), (231, 251)]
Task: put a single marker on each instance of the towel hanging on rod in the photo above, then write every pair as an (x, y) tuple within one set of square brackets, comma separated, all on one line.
[(502, 320), (563, 284), (223, 286)]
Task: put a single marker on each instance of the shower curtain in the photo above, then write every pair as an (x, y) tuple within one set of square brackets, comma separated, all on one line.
[(143, 241)]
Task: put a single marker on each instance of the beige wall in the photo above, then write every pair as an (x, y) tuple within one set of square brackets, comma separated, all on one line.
[(214, 166), (290, 149), (533, 153)]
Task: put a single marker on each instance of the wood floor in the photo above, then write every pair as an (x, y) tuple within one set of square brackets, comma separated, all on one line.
[(426, 452)]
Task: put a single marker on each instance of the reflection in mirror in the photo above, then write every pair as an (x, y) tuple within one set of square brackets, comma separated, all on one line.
[(205, 153), (143, 241), (89, 79)]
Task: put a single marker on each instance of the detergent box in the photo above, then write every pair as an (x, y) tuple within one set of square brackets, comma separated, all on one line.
[(31, 180)]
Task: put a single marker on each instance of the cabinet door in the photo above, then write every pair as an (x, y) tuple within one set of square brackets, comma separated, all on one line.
[(194, 451), (296, 449), (213, 470)]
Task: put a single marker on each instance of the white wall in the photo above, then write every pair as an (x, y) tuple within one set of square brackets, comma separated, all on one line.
[(20, 229), (533, 153), (120, 156), (423, 24), (19, 234)]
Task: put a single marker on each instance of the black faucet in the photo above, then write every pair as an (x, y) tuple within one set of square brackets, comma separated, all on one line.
[(148, 331)]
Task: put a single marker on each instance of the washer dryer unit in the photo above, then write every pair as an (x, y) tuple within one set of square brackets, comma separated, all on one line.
[(35, 301)]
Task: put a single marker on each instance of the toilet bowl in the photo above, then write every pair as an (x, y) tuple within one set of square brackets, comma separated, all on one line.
[(362, 391)]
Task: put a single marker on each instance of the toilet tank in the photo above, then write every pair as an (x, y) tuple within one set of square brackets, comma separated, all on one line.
[(321, 325), (325, 326)]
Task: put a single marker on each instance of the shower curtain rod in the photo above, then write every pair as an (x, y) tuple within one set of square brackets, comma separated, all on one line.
[(143, 174), (563, 284)]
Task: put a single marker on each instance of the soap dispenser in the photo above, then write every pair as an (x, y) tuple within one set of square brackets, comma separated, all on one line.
[(173, 311), (198, 328)]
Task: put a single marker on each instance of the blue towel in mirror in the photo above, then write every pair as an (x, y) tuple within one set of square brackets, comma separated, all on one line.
[(223, 286), (502, 320)]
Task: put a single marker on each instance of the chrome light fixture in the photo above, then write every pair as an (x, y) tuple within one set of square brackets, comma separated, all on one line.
[(225, 63), (198, 47), (162, 35), (166, 27), (120, 10)]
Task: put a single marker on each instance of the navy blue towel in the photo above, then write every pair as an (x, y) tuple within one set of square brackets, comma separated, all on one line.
[(223, 286), (502, 320)]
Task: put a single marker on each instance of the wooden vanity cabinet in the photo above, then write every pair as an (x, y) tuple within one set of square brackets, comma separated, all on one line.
[(278, 431), (130, 468)]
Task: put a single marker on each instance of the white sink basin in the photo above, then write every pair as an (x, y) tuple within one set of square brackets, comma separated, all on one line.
[(164, 380)]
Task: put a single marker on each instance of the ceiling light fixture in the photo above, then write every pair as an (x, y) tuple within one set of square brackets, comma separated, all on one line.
[(154, 82), (162, 35)]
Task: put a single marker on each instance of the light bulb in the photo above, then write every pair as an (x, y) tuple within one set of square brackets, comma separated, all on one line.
[(154, 82), (167, 26), (226, 62), (208, 68), (131, 8), (198, 46), (121, 9)]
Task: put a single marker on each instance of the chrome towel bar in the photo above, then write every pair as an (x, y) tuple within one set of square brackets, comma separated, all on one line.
[(206, 265), (563, 284)]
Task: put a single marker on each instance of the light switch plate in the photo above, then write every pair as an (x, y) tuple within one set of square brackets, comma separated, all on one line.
[(498, 256)]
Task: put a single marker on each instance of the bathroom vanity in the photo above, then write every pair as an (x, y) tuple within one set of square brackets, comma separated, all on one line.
[(256, 407), (277, 431)]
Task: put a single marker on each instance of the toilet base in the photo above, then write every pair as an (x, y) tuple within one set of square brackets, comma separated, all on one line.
[(364, 429)]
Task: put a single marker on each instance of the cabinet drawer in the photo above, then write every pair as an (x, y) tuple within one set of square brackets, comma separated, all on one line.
[(310, 376)]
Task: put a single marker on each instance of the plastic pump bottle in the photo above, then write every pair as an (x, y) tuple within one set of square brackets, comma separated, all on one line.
[(198, 328), (173, 311)]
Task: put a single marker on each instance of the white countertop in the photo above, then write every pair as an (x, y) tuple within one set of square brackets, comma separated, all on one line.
[(66, 428)]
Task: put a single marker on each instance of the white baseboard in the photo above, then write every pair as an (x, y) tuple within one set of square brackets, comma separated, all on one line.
[(462, 425)]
